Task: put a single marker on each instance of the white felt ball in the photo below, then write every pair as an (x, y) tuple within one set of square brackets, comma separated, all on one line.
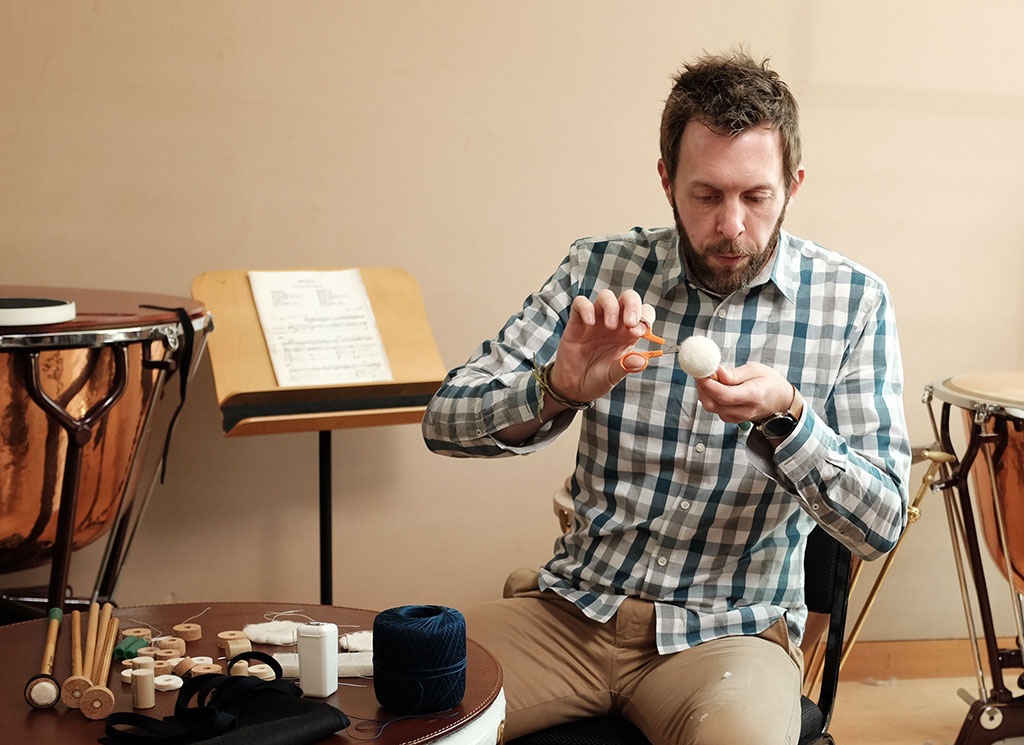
[(699, 357), (44, 693)]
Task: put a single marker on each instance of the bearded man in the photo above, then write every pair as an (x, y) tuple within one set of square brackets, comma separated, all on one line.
[(676, 598)]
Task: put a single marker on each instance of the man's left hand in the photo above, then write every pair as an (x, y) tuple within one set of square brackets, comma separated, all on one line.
[(750, 393)]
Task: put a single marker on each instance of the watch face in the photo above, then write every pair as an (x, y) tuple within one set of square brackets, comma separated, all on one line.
[(778, 426)]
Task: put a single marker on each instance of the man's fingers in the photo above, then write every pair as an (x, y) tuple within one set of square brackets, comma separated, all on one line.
[(583, 309), (629, 304), (607, 306)]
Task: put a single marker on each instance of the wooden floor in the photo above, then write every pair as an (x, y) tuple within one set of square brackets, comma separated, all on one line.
[(923, 711)]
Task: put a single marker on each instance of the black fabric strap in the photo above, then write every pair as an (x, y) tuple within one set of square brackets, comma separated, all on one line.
[(184, 360), (243, 710)]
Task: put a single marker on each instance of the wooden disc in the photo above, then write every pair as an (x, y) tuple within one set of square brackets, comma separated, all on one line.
[(172, 642), (184, 666), (190, 632), (139, 632), (147, 652), (166, 654), (97, 702), (230, 636), (204, 669), (72, 690)]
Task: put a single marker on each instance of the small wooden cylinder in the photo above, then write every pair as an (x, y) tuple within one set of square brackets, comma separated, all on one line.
[(143, 663), (146, 652), (143, 689), (182, 668), (240, 669), (261, 671), (162, 667), (236, 646)]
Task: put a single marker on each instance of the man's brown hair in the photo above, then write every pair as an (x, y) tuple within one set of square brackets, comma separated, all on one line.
[(729, 94)]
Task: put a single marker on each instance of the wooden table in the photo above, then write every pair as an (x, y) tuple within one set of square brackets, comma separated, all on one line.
[(21, 646)]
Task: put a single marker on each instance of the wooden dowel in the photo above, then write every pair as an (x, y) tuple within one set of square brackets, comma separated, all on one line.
[(90, 640), (103, 669), (76, 642), (101, 639), (52, 629)]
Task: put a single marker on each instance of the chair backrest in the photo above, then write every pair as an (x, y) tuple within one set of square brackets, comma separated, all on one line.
[(827, 590)]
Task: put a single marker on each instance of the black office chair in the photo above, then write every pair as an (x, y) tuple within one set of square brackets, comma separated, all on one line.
[(827, 575)]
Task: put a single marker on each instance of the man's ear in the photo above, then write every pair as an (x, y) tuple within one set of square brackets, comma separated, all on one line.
[(798, 179), (666, 182)]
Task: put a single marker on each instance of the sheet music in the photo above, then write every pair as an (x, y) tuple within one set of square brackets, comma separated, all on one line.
[(319, 327)]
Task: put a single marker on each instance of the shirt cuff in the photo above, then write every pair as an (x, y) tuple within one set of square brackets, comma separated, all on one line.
[(519, 403)]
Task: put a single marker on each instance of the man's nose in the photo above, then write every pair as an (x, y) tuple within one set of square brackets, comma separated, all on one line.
[(730, 219)]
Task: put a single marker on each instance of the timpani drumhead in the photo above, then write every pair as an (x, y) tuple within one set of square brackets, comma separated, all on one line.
[(1004, 387)]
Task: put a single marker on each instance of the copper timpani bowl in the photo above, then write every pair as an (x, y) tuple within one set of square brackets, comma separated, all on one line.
[(997, 398)]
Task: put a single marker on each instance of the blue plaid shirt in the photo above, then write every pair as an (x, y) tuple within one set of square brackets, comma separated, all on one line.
[(671, 503)]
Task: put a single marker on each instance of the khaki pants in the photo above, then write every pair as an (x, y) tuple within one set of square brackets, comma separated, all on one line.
[(558, 665)]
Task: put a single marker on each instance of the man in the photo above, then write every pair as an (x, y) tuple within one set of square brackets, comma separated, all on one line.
[(677, 597)]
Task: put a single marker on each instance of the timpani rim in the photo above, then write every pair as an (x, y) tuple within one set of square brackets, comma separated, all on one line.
[(966, 397), (97, 337)]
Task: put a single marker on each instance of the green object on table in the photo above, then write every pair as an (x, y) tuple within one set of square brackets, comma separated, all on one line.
[(129, 646)]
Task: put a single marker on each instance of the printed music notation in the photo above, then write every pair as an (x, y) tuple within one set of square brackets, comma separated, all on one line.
[(319, 327)]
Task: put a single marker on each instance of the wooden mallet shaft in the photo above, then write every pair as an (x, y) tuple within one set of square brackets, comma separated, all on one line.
[(76, 642), (101, 638), (42, 691), (90, 640)]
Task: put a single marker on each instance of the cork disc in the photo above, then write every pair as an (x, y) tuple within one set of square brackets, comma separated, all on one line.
[(97, 702)]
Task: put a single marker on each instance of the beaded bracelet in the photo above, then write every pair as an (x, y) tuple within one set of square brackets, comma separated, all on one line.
[(541, 376)]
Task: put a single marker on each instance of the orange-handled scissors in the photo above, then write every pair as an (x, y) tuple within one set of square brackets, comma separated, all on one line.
[(672, 349)]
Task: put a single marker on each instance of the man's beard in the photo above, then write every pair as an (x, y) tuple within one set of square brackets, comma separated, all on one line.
[(725, 281)]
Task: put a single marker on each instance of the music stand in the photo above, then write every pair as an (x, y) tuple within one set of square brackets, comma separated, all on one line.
[(252, 403)]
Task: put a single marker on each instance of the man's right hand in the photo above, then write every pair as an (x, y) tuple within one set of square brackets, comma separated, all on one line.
[(587, 364), (597, 336)]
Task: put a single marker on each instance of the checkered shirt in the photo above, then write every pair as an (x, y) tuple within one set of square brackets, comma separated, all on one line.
[(670, 503)]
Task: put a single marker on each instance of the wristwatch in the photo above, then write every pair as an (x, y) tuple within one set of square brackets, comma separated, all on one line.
[(782, 423)]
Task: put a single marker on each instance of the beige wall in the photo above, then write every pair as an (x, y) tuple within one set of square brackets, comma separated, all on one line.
[(469, 143)]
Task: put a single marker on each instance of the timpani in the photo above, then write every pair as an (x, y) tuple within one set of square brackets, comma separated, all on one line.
[(991, 406)]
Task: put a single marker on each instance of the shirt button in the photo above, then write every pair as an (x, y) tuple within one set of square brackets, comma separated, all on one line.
[(685, 505), (722, 313), (700, 447), (662, 561)]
